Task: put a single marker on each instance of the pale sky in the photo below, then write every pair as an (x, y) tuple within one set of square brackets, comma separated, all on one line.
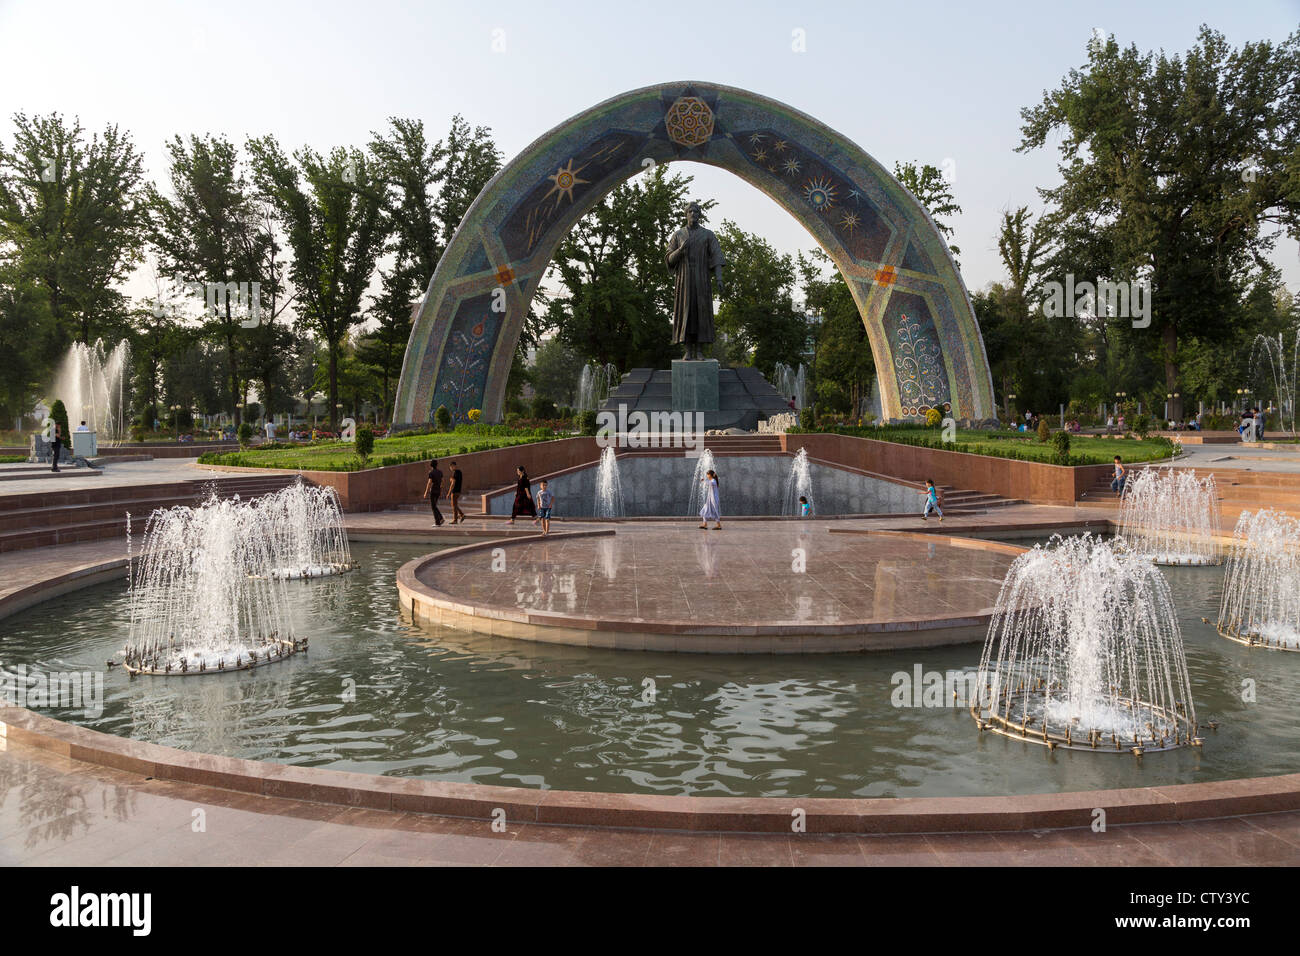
[(925, 81)]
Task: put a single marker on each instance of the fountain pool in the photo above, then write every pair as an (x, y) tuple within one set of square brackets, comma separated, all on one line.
[(377, 694)]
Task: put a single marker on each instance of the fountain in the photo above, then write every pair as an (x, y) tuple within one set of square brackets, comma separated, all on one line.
[(791, 382), (1261, 585), (202, 595), (306, 527), (1084, 652), (92, 383), (799, 483), (1172, 517), (594, 384), (1284, 377), (609, 490), (702, 466)]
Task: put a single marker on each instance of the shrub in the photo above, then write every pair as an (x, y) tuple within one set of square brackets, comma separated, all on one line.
[(475, 414), (365, 442), (60, 415), (807, 421), (137, 432), (245, 434), (1142, 425), (1061, 443), (443, 418), (543, 407), (933, 417), (1044, 431)]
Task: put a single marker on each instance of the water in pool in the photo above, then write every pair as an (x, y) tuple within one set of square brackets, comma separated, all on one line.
[(378, 694)]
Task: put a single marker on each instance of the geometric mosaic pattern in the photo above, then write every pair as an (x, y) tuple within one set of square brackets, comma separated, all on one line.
[(918, 317)]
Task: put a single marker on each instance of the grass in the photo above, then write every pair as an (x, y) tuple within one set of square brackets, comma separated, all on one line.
[(1021, 446), (400, 450), (12, 459)]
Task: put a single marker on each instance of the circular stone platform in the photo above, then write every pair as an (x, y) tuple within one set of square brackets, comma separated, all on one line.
[(754, 587)]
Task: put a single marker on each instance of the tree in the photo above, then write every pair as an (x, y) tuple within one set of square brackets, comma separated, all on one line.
[(843, 364), (331, 210), (555, 373), (27, 340), (210, 231), (930, 187), (1175, 164), (758, 313), (616, 302), (426, 190), (71, 211)]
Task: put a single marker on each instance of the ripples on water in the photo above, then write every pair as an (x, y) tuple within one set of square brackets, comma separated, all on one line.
[(376, 694)]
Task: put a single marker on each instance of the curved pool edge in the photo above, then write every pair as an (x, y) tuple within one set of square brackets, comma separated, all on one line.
[(429, 604), (884, 815)]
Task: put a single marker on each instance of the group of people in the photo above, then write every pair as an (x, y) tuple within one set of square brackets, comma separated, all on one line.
[(1252, 425), (433, 491)]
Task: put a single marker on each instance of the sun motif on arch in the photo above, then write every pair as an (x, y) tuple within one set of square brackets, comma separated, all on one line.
[(565, 178), (689, 121), (820, 193), (850, 222)]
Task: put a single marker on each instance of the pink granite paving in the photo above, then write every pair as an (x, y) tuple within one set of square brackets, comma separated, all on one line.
[(55, 811), (752, 572)]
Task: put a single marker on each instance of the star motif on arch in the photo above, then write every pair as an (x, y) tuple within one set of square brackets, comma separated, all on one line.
[(793, 166), (820, 193), (850, 221), (755, 139), (761, 155), (779, 146), (564, 179)]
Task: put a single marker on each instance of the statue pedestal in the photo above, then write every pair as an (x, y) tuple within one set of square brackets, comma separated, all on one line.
[(695, 385)]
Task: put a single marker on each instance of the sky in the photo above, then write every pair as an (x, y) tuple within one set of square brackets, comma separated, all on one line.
[(940, 83)]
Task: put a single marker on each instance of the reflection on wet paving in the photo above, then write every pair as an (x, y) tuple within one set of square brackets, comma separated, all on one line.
[(751, 573)]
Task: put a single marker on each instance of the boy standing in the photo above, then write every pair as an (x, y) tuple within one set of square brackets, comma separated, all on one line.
[(1121, 475), (545, 500)]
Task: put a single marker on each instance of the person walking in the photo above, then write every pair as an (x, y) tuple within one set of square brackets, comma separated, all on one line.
[(453, 492), (931, 501), (523, 497), (1259, 424), (56, 447), (433, 491), (711, 511), (545, 501), (1121, 476)]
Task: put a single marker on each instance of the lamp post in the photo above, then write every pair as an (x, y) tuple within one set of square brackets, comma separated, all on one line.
[(176, 422), (1011, 398)]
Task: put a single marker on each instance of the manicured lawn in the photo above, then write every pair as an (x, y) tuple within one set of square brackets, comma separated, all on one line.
[(1022, 446), (341, 456)]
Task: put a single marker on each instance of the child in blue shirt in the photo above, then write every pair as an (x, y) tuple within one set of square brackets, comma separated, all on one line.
[(805, 509), (545, 501), (931, 500)]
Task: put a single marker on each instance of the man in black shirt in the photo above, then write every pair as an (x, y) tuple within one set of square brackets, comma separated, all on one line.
[(433, 491), (457, 479)]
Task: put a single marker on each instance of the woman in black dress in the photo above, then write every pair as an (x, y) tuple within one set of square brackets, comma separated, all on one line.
[(523, 498)]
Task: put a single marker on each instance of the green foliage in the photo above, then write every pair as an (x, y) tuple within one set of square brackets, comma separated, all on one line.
[(844, 367), (365, 442), (443, 418), (542, 407), (1061, 446), (1142, 425), (1044, 430), (617, 290), (245, 434), (933, 417), (931, 188), (587, 422), (60, 416), (757, 315), (807, 421)]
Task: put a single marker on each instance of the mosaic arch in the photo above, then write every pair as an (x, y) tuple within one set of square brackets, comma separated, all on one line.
[(918, 317)]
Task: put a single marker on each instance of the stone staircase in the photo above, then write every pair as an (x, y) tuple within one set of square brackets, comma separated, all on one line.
[(40, 518), (1239, 490)]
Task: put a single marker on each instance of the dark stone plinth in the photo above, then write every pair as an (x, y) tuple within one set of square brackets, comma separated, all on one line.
[(744, 397), (695, 385)]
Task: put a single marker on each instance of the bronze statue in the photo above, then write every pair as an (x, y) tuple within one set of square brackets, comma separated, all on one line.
[(694, 254)]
